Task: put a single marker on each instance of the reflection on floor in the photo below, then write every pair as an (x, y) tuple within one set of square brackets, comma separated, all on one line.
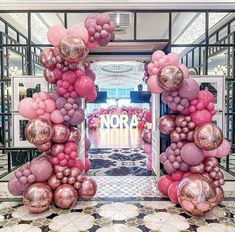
[(118, 162), (115, 138), (122, 204)]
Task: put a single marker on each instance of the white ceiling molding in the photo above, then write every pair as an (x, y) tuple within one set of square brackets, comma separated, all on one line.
[(114, 4)]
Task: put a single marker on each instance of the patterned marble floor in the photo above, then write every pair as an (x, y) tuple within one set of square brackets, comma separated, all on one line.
[(118, 162), (122, 204)]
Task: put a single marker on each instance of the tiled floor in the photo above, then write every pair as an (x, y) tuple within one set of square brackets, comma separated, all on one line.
[(122, 204), (118, 162)]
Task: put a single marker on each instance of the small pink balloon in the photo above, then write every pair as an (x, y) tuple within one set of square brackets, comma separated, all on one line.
[(92, 45), (87, 164), (49, 105), (80, 31), (15, 187), (153, 85), (149, 165), (55, 34), (157, 55)]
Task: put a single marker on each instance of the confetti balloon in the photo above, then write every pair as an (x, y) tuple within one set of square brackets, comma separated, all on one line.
[(197, 195), (37, 198), (73, 49), (208, 136), (39, 131), (170, 77)]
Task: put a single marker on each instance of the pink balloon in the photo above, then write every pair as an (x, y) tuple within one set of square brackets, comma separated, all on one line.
[(163, 184), (173, 58), (172, 192), (212, 153), (201, 117), (55, 34), (80, 165), (80, 31), (87, 164), (148, 148), (206, 97), (57, 117), (25, 108), (157, 55), (191, 154), (41, 168), (15, 187), (50, 105), (178, 175), (224, 149), (153, 85), (184, 69), (92, 45), (92, 96), (149, 165), (84, 86)]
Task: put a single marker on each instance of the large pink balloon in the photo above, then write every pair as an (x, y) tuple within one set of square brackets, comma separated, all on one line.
[(55, 34), (201, 117), (15, 187), (57, 117), (191, 154), (153, 85), (184, 69), (25, 108), (84, 86), (80, 31), (41, 168), (206, 97), (163, 184), (189, 89), (173, 58), (224, 149)]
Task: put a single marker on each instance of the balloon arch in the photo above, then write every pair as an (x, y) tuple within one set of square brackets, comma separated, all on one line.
[(194, 178)]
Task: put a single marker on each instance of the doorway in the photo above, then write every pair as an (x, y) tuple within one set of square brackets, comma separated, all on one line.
[(116, 120)]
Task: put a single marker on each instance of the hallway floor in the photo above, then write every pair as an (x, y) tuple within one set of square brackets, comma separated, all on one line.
[(122, 204)]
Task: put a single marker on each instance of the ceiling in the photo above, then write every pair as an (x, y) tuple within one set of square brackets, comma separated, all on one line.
[(115, 4)]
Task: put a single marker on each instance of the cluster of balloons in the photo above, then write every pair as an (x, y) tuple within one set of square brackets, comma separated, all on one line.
[(94, 118), (166, 72), (147, 138), (57, 173), (194, 178), (100, 29)]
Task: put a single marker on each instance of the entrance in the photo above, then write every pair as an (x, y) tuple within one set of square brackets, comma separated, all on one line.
[(116, 120)]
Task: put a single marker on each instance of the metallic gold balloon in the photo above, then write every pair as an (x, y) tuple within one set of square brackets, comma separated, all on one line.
[(37, 197), (208, 136), (73, 48), (197, 195), (39, 131), (170, 77), (65, 196)]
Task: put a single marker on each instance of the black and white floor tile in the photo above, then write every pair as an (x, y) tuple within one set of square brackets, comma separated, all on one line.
[(118, 162)]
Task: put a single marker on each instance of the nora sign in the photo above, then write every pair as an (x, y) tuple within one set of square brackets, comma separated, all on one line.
[(118, 121)]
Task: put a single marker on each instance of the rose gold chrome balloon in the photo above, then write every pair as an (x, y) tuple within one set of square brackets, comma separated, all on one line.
[(39, 131), (88, 188), (208, 136), (167, 124), (74, 135), (197, 195), (46, 58), (220, 194), (65, 196), (61, 133), (170, 77), (73, 48), (53, 182), (37, 197)]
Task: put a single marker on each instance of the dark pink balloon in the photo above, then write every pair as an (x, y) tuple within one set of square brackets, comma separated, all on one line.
[(56, 149), (15, 187), (189, 89), (87, 144)]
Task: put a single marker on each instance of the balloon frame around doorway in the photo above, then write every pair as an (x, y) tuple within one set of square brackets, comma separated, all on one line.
[(194, 178), (57, 174)]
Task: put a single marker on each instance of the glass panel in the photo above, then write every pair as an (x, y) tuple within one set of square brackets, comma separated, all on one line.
[(75, 18), (188, 28), (2, 26), (41, 22), (18, 22), (152, 25), (232, 26), (223, 33)]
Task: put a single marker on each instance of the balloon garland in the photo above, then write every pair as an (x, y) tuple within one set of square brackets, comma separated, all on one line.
[(56, 175), (194, 178)]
